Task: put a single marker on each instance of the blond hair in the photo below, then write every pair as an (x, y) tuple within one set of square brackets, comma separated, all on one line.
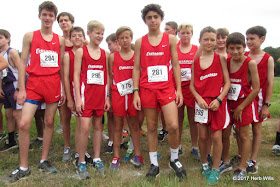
[(123, 29), (94, 25), (185, 26)]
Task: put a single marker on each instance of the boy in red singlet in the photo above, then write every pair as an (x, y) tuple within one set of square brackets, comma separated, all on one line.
[(46, 50), (152, 69), (244, 88), (209, 85), (186, 52), (255, 36), (121, 65), (91, 85), (222, 34)]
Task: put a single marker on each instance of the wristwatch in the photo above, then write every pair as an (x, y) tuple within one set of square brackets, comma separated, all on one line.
[(267, 104)]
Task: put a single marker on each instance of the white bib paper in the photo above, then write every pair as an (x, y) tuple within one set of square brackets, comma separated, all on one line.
[(4, 73), (125, 87), (95, 77), (234, 92), (48, 59), (201, 115), (157, 73), (186, 74)]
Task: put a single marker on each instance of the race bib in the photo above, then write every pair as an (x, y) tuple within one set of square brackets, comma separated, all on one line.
[(125, 87), (201, 115), (234, 92), (49, 59), (157, 73), (95, 77), (186, 74)]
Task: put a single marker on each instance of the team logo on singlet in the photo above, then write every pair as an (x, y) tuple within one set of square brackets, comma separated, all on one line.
[(95, 66), (208, 75), (154, 53), (185, 61), (235, 80), (39, 51), (125, 67)]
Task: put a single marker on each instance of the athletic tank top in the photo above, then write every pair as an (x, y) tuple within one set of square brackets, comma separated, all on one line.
[(94, 80), (71, 65), (122, 69), (44, 55), (262, 70), (10, 73), (208, 82), (186, 60), (240, 87), (156, 69), (67, 49)]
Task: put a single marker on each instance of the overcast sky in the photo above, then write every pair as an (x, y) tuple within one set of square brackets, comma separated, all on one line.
[(21, 16)]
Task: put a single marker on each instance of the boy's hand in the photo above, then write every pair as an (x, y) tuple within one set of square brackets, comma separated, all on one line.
[(202, 104), (62, 98), (264, 112), (136, 101), (71, 104), (107, 105), (2, 94), (214, 105), (237, 114), (179, 99), (21, 97), (79, 106)]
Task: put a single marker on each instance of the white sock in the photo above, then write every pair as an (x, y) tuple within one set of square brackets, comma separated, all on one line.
[(110, 143), (39, 138), (41, 161), (153, 158), (23, 169), (96, 159), (174, 154), (180, 146), (131, 147)]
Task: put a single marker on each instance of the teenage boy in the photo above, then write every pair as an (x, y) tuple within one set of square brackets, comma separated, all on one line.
[(121, 65), (9, 77), (91, 79), (243, 73), (222, 34), (46, 49), (255, 36), (209, 85), (153, 73), (186, 52)]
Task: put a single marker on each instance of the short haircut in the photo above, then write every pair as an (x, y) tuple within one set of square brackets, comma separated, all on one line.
[(173, 25), (123, 29), (50, 6), (6, 34), (236, 38), (70, 16), (207, 29), (222, 32), (94, 25), (258, 30), (152, 7), (185, 26), (112, 37), (77, 29)]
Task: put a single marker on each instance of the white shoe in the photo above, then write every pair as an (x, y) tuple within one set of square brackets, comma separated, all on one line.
[(104, 136)]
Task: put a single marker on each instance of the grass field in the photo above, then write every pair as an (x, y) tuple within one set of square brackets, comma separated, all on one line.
[(269, 164)]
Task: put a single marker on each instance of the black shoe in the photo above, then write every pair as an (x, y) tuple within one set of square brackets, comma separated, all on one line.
[(76, 162), (9, 146), (47, 167), (153, 171), (17, 175), (124, 146), (88, 159), (178, 168), (210, 161), (109, 149), (162, 134), (180, 152)]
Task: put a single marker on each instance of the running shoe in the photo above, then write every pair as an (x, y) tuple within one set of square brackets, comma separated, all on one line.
[(128, 155), (213, 176), (162, 135), (252, 167), (115, 163), (276, 149), (225, 167), (82, 171), (178, 168), (98, 165), (17, 175), (239, 174), (137, 161), (66, 154), (153, 171), (195, 154), (47, 167)]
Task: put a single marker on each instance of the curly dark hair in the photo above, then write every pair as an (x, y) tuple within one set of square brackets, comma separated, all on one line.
[(152, 7)]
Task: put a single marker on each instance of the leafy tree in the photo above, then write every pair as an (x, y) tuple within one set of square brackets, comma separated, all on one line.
[(275, 53)]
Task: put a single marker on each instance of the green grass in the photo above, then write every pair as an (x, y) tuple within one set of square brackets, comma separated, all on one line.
[(269, 164)]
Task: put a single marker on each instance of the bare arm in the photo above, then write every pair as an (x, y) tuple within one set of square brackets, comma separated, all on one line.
[(62, 50), (26, 44), (111, 63), (77, 74), (176, 70), (254, 78), (136, 74), (67, 83), (107, 101), (3, 63), (15, 61)]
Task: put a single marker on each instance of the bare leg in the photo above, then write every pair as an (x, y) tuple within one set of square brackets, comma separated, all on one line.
[(257, 140), (226, 143), (65, 118), (39, 120), (97, 134), (245, 145), (152, 119), (118, 128), (135, 135), (193, 127), (83, 137), (203, 133), (217, 148)]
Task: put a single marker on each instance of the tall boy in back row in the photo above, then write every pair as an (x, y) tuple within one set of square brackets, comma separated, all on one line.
[(255, 36), (152, 69)]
